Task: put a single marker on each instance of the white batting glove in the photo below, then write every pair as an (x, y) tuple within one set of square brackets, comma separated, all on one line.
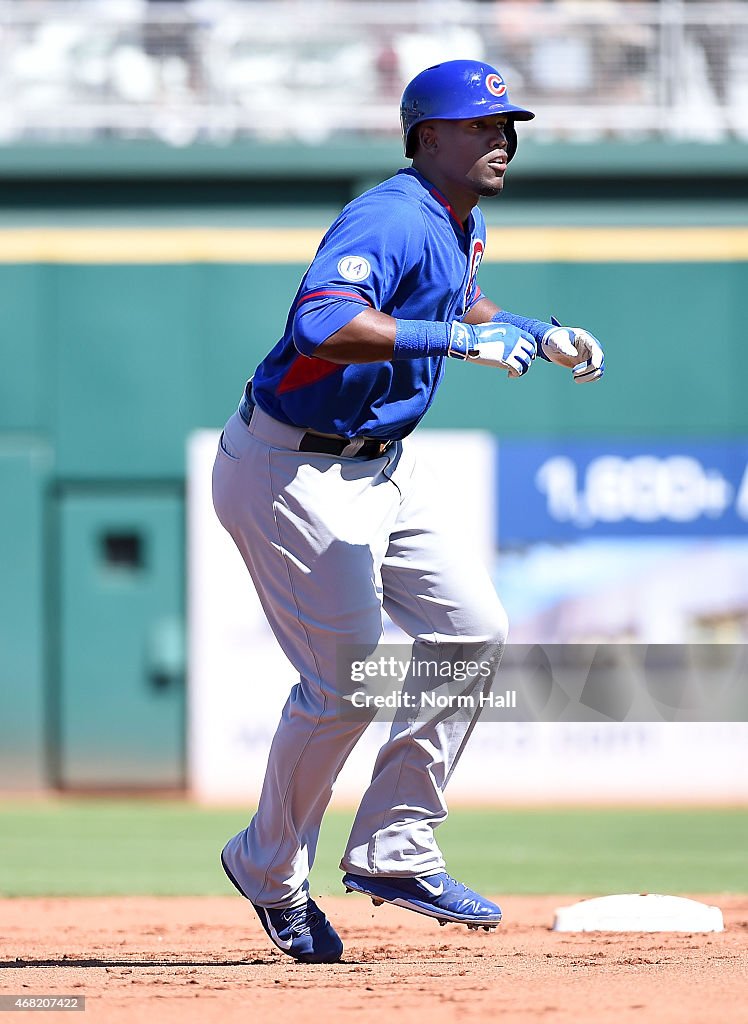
[(493, 344), (576, 349)]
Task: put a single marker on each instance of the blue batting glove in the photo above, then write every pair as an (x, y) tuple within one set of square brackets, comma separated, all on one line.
[(493, 344)]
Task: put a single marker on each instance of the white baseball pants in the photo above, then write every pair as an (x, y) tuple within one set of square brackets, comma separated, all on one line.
[(329, 541)]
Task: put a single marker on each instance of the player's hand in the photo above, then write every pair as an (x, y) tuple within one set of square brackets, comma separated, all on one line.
[(493, 344), (576, 349)]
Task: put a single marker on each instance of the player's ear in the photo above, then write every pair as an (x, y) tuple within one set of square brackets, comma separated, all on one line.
[(428, 137)]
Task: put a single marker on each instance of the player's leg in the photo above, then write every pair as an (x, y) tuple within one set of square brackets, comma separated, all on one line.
[(440, 593), (312, 532)]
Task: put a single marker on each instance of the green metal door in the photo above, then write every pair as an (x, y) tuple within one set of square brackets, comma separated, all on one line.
[(121, 704)]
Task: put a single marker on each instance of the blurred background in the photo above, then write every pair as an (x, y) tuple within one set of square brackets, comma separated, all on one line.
[(185, 71), (166, 172)]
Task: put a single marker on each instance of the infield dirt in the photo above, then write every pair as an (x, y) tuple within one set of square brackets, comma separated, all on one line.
[(208, 961)]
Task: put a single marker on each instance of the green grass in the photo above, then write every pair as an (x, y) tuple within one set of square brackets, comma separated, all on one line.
[(131, 847)]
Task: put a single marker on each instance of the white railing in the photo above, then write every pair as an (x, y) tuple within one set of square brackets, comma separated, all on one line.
[(309, 70)]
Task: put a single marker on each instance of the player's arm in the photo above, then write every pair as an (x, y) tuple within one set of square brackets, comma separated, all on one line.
[(571, 347), (356, 272), (368, 338), (483, 311), (371, 336)]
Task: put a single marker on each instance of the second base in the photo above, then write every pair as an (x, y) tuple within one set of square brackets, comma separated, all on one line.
[(632, 912)]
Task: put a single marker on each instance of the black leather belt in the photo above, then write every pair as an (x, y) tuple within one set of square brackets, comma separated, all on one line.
[(370, 449), (311, 442)]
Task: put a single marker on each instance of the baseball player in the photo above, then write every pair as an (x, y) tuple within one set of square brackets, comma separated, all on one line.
[(316, 482)]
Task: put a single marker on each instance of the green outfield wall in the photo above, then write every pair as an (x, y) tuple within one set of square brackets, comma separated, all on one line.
[(139, 287), (114, 365)]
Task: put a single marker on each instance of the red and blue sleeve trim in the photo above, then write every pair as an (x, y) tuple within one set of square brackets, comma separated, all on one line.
[(333, 291)]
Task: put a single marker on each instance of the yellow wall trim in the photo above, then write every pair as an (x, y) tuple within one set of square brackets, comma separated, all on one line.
[(298, 245)]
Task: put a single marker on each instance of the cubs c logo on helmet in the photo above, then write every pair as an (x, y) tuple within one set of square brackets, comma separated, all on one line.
[(495, 85)]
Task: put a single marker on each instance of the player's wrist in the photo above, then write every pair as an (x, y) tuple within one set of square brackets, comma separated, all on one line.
[(537, 328), (417, 339)]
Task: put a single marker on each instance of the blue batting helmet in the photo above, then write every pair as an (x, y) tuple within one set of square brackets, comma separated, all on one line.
[(455, 90)]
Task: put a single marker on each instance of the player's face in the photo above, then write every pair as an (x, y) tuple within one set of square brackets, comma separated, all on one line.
[(472, 153)]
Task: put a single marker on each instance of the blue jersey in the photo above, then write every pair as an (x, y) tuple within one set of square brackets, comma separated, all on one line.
[(398, 248)]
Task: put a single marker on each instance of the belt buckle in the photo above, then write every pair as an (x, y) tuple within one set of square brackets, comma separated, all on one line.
[(379, 448)]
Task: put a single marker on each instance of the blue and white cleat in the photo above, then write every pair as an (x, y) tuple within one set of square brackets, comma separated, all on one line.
[(438, 896), (303, 933)]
